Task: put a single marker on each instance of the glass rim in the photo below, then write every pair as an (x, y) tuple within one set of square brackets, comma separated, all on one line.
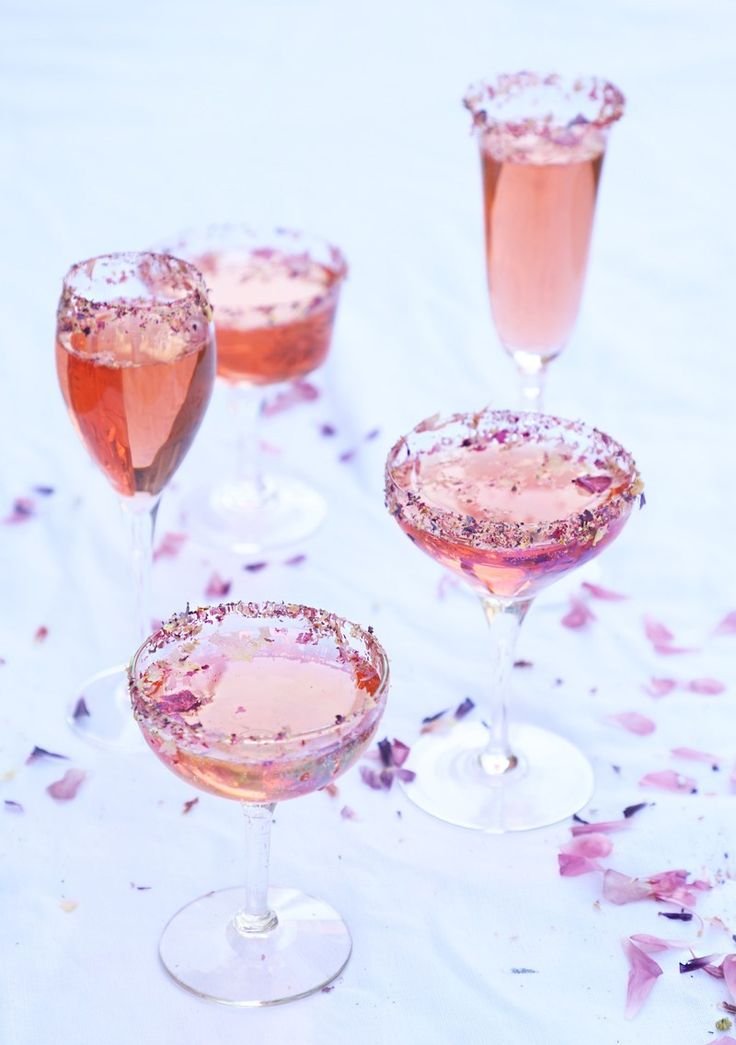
[(182, 627), (507, 85), (491, 535)]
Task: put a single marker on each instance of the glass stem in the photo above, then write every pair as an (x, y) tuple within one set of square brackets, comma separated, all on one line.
[(533, 374), (504, 620), (141, 511), (255, 916), (246, 404)]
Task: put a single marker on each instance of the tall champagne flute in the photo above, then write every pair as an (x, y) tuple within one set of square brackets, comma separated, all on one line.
[(259, 703), (135, 357), (542, 142), (275, 294), (508, 502)]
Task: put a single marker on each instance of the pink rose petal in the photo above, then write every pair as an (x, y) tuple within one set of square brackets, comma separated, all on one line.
[(634, 722), (347, 813), (603, 593), (217, 588), (728, 965), (40, 634), (24, 508), (600, 826), (660, 687), (298, 392), (591, 845), (621, 889), (656, 632), (65, 789), (578, 615), (571, 865), (669, 780), (727, 626), (694, 755), (169, 546), (656, 944), (643, 972), (707, 686), (593, 483)]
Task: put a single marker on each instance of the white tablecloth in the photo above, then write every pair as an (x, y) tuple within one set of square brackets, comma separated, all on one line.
[(124, 123)]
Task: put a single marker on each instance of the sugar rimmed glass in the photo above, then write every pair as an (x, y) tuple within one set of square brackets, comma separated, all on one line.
[(135, 358), (275, 294), (508, 502), (542, 143), (258, 703)]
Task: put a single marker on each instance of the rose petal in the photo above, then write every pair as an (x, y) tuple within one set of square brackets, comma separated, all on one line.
[(695, 756), (465, 708), (620, 889), (347, 813), (217, 587), (12, 806), (669, 780), (327, 430), (189, 805), (255, 567), (707, 686), (593, 483), (657, 944), (578, 615), (727, 626), (384, 750), (23, 509), (571, 866), (693, 964), (728, 965), (643, 972), (170, 546), (632, 810), (666, 650), (660, 687), (295, 560), (656, 632), (371, 777), (399, 752), (603, 593), (591, 845), (634, 722), (81, 710), (41, 752), (600, 826), (65, 789), (726, 1039), (298, 392)]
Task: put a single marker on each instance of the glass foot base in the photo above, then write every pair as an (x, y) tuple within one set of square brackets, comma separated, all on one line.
[(250, 521), (552, 781), (100, 713), (205, 954)]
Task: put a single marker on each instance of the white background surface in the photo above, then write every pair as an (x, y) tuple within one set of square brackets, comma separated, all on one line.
[(122, 124)]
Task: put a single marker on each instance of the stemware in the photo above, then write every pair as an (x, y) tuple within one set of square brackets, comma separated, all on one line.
[(275, 295), (135, 357), (542, 142), (509, 502), (259, 703)]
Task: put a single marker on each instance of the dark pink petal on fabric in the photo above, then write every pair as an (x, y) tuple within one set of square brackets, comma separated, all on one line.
[(660, 687), (728, 625), (726, 1039), (42, 752), (694, 755), (371, 777), (656, 944), (605, 594), (669, 780), (643, 973), (728, 965), (169, 546), (707, 686), (600, 826), (65, 789), (295, 560), (40, 634), (578, 615), (298, 392), (217, 588), (634, 722), (621, 889)]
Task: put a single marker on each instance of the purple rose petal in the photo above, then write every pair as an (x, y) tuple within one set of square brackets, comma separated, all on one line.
[(465, 708), (593, 483), (42, 752)]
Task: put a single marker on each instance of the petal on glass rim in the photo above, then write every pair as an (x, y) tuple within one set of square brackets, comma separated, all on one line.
[(593, 483), (300, 391), (656, 944), (634, 722), (42, 752), (591, 845), (657, 632), (578, 615), (605, 594), (24, 508), (643, 973), (572, 865), (669, 780), (65, 789)]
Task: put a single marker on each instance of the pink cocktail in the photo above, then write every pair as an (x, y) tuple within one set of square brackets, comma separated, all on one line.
[(508, 502), (542, 143), (258, 703)]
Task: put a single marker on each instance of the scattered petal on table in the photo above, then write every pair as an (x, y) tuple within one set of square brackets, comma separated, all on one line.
[(706, 686), (217, 588), (727, 626), (593, 483), (327, 430), (80, 709), (694, 755), (634, 722), (660, 687), (630, 811), (591, 845), (728, 965), (571, 865), (40, 634), (621, 889), (465, 708), (725, 1040), (24, 508), (255, 567), (643, 972), (295, 560), (657, 944), (65, 789), (41, 752), (578, 615), (597, 592), (297, 392), (169, 546), (599, 827), (669, 780), (676, 916), (693, 964)]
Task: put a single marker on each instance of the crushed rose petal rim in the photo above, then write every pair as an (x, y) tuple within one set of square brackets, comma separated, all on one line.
[(179, 296), (443, 524), (496, 92), (317, 624)]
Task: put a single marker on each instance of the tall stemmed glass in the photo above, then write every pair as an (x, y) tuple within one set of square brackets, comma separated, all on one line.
[(542, 142), (135, 357), (275, 294), (509, 503), (259, 703)]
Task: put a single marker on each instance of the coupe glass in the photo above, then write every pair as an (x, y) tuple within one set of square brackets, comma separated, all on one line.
[(135, 357), (258, 703), (508, 502), (542, 142), (275, 295)]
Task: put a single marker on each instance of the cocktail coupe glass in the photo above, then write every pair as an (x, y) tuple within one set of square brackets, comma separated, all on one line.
[(542, 142), (275, 294), (508, 502), (135, 357), (258, 703)]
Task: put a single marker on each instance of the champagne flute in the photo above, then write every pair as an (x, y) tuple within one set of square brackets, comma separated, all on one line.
[(135, 357)]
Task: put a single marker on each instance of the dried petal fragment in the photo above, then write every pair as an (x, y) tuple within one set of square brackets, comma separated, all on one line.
[(12, 806), (634, 722), (669, 780), (660, 687), (727, 626), (65, 789), (643, 972), (299, 392), (693, 964), (632, 810), (578, 615), (657, 632), (605, 594), (593, 483), (40, 634), (599, 827), (694, 755), (189, 805), (707, 686), (657, 944), (295, 560), (169, 546), (255, 567), (41, 752), (217, 587)]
